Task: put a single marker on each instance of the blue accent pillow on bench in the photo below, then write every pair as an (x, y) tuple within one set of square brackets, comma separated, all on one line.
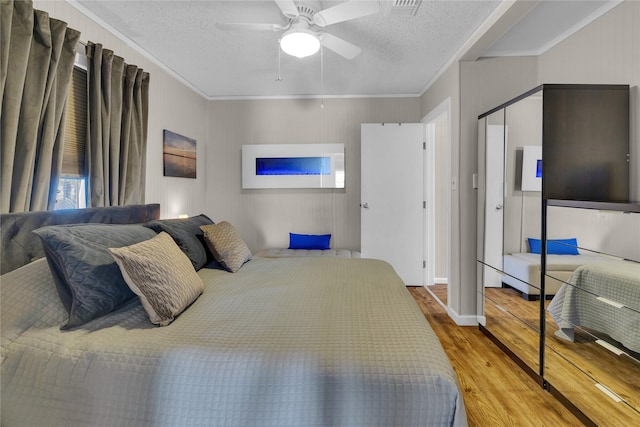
[(555, 246), (309, 241)]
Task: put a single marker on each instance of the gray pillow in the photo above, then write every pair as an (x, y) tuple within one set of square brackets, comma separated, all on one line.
[(187, 235), (87, 277), (227, 245), (161, 275)]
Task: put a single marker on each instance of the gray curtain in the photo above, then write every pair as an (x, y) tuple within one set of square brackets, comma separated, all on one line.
[(36, 62), (118, 115)]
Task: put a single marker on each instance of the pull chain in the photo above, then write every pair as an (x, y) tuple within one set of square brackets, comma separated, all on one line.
[(321, 76), (279, 79)]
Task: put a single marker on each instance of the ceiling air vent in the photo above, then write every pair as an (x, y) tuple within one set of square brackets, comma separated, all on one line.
[(404, 7), (306, 11)]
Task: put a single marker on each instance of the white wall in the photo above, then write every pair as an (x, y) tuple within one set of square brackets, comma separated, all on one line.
[(484, 85), (172, 105), (265, 217)]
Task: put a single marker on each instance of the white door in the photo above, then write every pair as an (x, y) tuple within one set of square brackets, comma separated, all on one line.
[(494, 211), (392, 195)]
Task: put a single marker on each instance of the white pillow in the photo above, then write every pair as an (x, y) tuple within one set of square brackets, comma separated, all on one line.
[(161, 275)]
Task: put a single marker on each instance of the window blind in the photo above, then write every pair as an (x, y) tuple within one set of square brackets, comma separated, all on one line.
[(75, 132)]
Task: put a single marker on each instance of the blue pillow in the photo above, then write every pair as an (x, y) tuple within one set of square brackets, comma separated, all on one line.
[(86, 276), (309, 241), (188, 236), (555, 246)]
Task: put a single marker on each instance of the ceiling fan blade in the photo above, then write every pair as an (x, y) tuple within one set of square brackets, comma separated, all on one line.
[(248, 27), (345, 12), (288, 8), (340, 46)]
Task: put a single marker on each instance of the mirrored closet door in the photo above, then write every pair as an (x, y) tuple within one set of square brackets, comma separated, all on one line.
[(553, 206), (510, 318)]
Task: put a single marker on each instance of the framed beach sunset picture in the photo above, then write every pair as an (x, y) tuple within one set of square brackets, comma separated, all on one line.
[(179, 154)]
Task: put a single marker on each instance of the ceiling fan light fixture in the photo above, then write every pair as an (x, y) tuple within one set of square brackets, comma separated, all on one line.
[(299, 43)]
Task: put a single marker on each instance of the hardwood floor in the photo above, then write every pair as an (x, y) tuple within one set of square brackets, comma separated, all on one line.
[(440, 291), (496, 391)]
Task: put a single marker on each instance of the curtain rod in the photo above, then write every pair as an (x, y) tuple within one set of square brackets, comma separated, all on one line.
[(81, 56)]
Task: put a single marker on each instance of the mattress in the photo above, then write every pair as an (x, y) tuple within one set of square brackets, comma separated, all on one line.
[(282, 342), (523, 270), (592, 299), (291, 253)]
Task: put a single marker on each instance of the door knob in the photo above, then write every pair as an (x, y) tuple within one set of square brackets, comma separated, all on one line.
[(498, 207), (365, 205)]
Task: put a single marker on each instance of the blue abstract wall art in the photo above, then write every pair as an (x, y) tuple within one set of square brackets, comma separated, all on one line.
[(293, 166)]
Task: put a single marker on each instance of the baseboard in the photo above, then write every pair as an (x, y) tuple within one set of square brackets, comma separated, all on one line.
[(440, 281), (466, 320)]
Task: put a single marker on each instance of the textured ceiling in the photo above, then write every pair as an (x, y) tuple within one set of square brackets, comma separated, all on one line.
[(400, 53), (548, 23)]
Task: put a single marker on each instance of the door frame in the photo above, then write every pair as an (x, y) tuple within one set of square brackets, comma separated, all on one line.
[(443, 108)]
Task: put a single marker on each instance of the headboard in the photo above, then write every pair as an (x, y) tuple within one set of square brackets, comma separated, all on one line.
[(19, 246)]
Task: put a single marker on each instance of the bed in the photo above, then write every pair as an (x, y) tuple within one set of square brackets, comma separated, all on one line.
[(302, 341), (604, 297), (523, 271)]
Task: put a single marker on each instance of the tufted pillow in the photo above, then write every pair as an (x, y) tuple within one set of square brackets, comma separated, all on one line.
[(227, 246), (87, 278), (161, 275), (309, 241), (187, 235), (555, 246)]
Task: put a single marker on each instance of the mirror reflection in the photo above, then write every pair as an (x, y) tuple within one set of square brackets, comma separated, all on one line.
[(585, 283), (495, 134), (509, 317), (592, 320)]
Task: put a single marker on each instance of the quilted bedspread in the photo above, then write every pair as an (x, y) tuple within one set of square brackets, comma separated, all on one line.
[(604, 297), (283, 342)]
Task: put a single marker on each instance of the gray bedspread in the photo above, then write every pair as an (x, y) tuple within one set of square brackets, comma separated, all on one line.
[(283, 342), (601, 296)]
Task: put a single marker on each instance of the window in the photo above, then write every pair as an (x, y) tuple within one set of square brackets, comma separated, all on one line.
[(71, 192)]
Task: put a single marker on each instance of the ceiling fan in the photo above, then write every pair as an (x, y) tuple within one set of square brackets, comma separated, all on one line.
[(304, 28)]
